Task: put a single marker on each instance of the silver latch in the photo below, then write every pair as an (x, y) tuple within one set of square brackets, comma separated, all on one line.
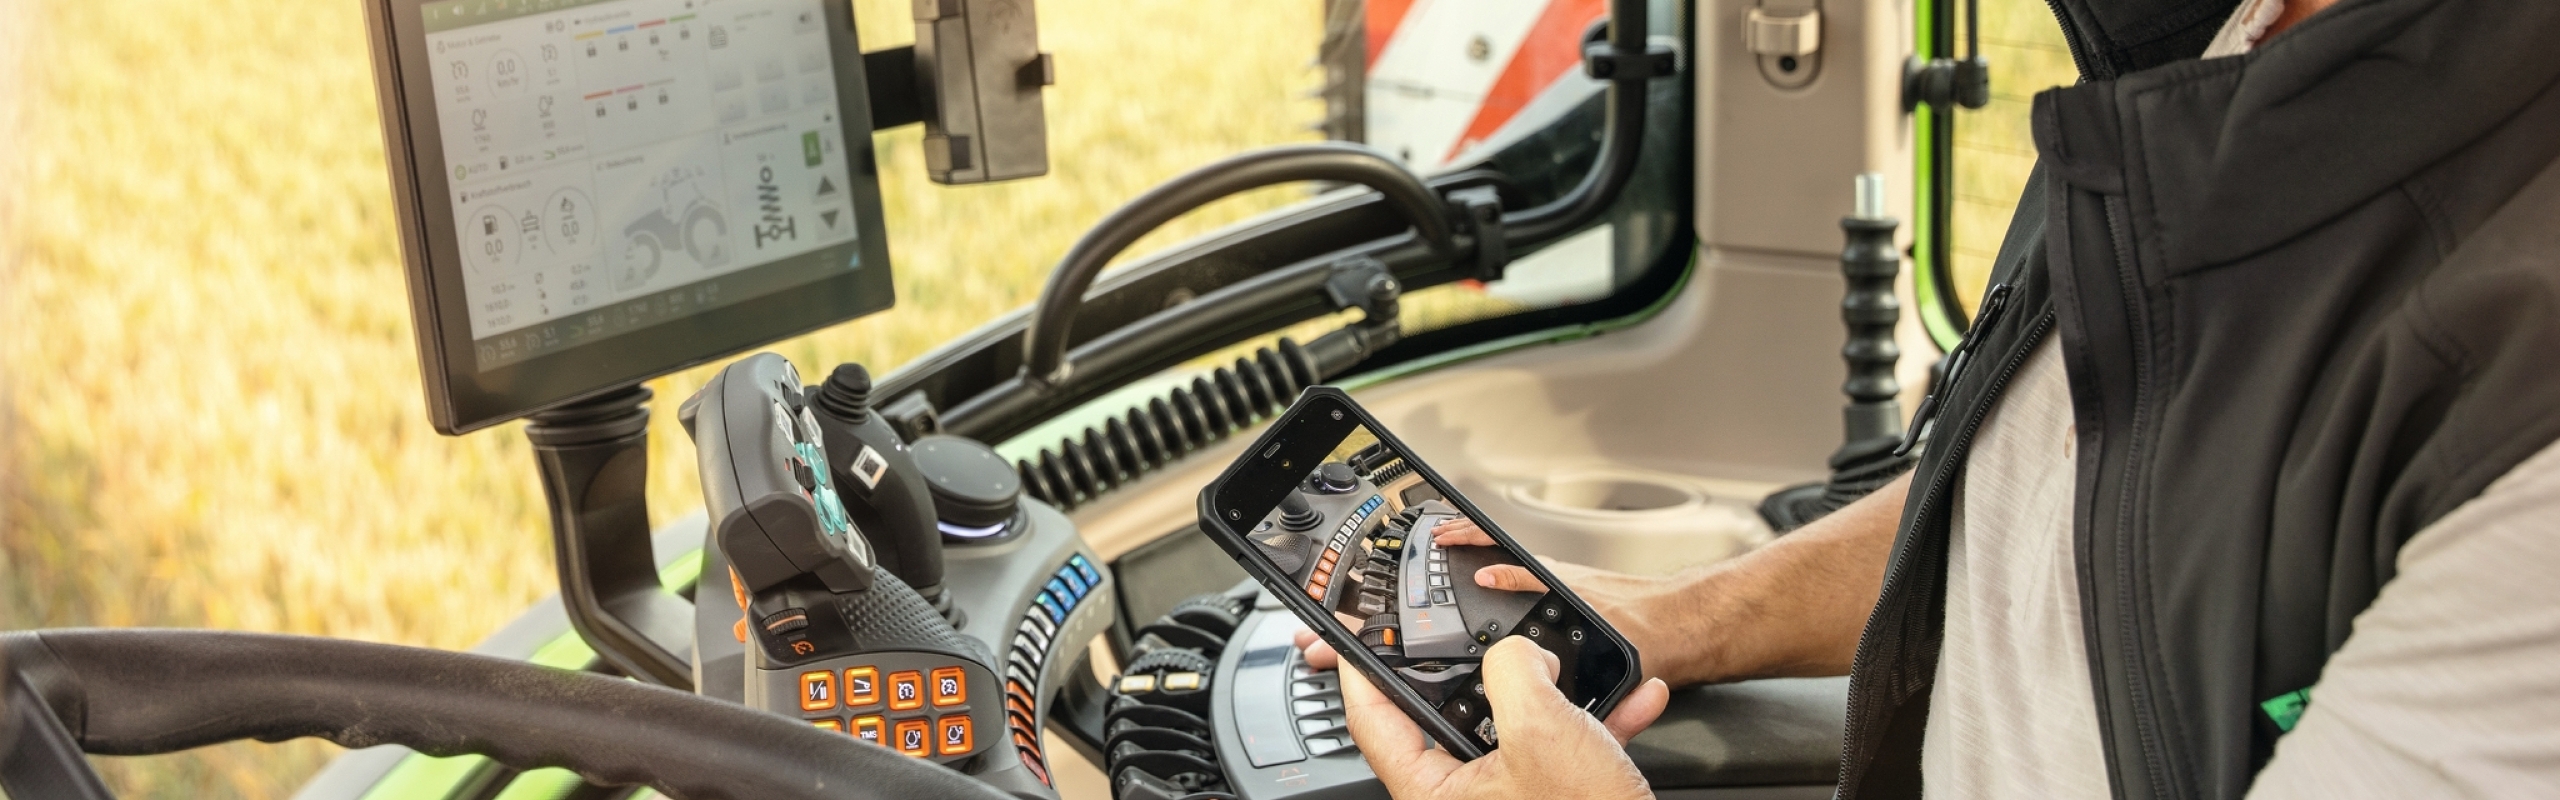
[(1782, 34)]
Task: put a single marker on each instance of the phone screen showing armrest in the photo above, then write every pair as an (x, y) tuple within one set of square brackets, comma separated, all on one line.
[(1396, 561)]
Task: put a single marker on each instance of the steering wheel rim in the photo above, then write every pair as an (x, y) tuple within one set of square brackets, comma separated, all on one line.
[(150, 691)]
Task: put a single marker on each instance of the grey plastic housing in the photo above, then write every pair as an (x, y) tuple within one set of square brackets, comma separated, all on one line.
[(749, 428), (979, 74)]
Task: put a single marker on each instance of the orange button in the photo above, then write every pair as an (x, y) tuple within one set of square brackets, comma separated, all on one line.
[(950, 686), (1316, 592), (1023, 742), (828, 724), (817, 690), (955, 735), (906, 690), (861, 686), (1331, 556), (915, 737), (870, 729)]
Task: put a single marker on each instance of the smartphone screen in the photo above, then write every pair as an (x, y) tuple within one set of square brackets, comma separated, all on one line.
[(1395, 562)]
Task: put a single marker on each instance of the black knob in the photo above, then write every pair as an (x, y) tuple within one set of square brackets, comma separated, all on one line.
[(973, 488), (1333, 478)]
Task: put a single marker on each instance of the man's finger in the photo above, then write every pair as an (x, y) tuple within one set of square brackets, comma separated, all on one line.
[(1509, 578), (1520, 685), (1395, 747), (1638, 711), (1460, 530), (1318, 654)]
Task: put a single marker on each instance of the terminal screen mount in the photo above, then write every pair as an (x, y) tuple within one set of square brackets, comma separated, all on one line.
[(596, 192)]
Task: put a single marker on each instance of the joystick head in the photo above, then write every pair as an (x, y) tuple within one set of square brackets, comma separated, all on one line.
[(1297, 515)]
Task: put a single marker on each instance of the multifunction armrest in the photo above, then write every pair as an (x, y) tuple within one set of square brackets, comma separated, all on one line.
[(1757, 733)]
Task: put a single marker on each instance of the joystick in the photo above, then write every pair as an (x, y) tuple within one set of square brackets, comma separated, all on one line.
[(879, 483), (835, 638), (1297, 515)]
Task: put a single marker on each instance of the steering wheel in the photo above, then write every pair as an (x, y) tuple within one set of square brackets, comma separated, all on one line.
[(143, 691)]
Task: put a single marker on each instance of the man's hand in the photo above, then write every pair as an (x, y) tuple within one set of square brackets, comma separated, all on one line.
[(1557, 750), (1793, 608)]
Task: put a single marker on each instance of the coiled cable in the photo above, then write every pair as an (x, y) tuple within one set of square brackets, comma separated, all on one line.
[(1149, 435)]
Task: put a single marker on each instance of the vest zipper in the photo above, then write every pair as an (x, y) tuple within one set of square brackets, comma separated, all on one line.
[(2128, 568), (1994, 303)]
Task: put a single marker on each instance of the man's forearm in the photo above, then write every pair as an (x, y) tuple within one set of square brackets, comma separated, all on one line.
[(1793, 608)]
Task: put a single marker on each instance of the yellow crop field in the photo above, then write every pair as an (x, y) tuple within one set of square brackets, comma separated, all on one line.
[(210, 411)]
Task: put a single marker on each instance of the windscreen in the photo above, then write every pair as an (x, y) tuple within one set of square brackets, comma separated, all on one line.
[(1418, 582), (616, 165)]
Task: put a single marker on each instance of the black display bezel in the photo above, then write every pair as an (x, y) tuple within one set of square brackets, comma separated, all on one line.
[(460, 398), (1254, 485)]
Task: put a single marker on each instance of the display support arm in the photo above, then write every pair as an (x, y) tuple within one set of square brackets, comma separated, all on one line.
[(594, 457)]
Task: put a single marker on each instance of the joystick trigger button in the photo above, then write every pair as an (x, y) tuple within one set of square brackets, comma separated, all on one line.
[(906, 691), (914, 737)]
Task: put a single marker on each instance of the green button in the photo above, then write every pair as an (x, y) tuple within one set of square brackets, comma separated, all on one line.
[(809, 148)]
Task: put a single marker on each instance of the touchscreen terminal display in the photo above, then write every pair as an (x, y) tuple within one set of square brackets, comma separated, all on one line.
[(1390, 557), (606, 190)]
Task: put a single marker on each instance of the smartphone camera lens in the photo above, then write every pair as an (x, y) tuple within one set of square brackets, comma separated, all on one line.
[(1234, 514), (1337, 416)]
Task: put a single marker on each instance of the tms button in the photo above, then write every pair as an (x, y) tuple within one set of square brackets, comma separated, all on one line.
[(871, 729), (906, 690)]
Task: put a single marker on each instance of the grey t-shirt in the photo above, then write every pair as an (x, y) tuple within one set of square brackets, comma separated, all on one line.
[(2449, 687)]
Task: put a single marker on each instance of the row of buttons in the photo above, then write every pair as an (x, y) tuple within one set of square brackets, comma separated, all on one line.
[(862, 688), (1031, 642), (1333, 549), (915, 737)]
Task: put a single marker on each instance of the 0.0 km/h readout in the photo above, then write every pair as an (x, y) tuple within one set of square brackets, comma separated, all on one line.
[(623, 163)]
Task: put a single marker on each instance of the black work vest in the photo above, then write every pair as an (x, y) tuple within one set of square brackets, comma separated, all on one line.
[(2309, 302)]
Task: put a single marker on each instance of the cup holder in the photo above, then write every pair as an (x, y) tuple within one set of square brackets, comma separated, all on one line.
[(1610, 494)]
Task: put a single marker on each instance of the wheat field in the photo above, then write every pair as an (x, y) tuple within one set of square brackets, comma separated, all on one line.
[(210, 412)]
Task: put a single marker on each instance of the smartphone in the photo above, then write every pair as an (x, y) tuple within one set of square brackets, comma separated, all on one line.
[(1337, 518)]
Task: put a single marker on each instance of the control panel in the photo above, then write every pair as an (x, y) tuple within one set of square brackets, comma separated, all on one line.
[(920, 704)]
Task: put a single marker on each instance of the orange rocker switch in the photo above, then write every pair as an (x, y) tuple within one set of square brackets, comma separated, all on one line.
[(950, 686), (906, 690), (915, 737), (956, 737), (817, 690)]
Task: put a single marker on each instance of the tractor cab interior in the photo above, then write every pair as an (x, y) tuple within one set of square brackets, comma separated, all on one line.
[(1604, 283)]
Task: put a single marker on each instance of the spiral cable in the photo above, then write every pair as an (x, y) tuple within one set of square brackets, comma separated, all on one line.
[(1150, 435)]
